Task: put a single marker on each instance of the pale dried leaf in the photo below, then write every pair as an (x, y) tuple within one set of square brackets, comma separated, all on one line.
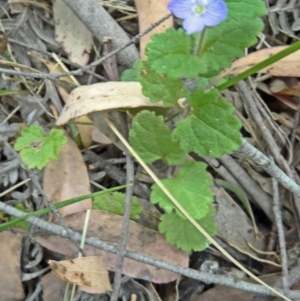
[(150, 12), (71, 33), (288, 66), (85, 271), (11, 287), (67, 178), (104, 96), (107, 227)]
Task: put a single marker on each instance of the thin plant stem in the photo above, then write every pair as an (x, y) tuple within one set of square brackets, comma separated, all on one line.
[(199, 41)]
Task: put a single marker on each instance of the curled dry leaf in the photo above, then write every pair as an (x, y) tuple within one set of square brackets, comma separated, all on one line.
[(107, 227), (288, 66), (150, 12), (86, 271), (67, 178), (104, 96)]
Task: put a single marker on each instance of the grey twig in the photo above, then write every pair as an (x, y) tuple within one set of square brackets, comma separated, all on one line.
[(126, 219), (255, 114), (80, 71), (205, 277), (280, 231), (260, 159)]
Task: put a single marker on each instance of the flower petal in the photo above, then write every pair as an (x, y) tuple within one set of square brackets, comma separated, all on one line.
[(181, 8), (193, 24), (215, 13)]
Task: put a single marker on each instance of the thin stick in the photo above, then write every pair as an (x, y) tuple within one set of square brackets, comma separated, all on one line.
[(194, 274), (126, 218), (278, 220), (260, 159)]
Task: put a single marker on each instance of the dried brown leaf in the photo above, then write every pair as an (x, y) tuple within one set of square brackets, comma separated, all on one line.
[(85, 272), (67, 178), (288, 66), (53, 288), (11, 287)]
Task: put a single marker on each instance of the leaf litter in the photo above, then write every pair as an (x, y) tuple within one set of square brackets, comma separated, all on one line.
[(36, 31)]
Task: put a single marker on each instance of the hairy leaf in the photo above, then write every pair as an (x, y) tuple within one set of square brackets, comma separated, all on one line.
[(170, 53), (224, 43), (160, 87), (212, 129), (152, 140), (184, 235), (191, 187)]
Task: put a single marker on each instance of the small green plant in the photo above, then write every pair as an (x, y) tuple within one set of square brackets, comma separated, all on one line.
[(36, 148), (208, 127)]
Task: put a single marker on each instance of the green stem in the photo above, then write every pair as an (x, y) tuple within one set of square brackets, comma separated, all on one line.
[(269, 61), (57, 206), (199, 42)]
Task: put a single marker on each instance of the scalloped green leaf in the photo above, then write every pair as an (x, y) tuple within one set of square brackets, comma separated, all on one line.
[(160, 87), (38, 149), (152, 140), (131, 75), (190, 186), (226, 42), (170, 53), (114, 202), (212, 129), (183, 234)]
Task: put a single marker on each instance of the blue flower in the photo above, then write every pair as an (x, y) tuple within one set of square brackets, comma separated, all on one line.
[(197, 14)]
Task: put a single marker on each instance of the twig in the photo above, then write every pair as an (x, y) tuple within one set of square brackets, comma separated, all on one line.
[(255, 114), (280, 231), (96, 242), (88, 67), (260, 159), (126, 219)]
